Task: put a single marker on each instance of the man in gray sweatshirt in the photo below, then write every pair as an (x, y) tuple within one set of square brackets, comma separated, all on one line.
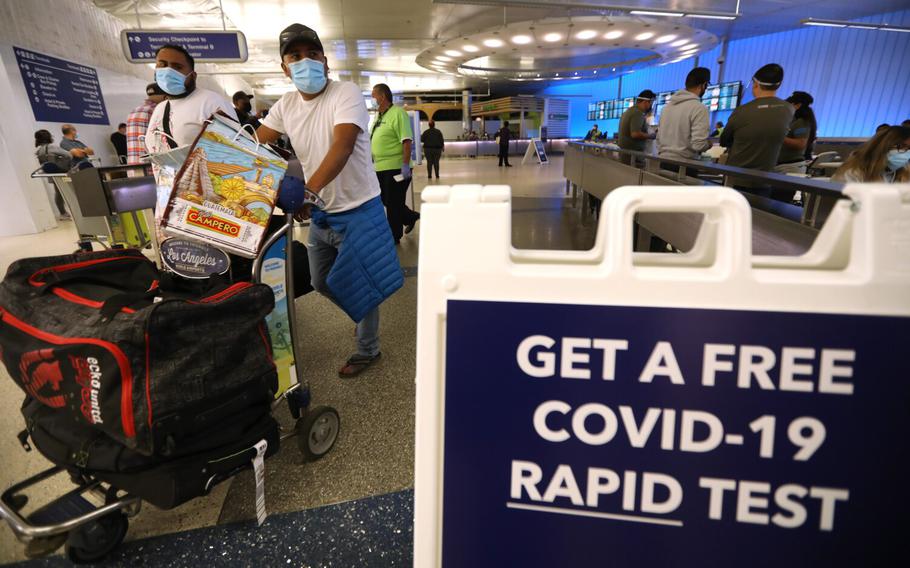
[(684, 124)]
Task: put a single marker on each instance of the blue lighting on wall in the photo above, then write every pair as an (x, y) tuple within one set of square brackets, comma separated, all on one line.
[(859, 78)]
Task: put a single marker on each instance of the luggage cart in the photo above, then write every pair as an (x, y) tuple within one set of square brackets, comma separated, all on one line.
[(90, 229), (92, 520)]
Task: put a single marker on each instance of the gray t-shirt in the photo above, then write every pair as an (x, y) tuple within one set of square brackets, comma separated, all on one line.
[(633, 120), (68, 145), (799, 128), (755, 133)]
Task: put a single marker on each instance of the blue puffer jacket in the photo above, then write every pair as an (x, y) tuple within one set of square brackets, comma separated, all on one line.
[(366, 271)]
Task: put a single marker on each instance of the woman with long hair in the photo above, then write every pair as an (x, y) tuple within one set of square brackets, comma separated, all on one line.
[(53, 160), (884, 158), (800, 139)]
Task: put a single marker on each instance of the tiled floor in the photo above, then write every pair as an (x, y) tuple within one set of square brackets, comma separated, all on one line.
[(374, 453)]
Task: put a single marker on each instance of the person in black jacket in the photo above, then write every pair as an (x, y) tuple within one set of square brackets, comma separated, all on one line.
[(504, 135), (118, 141), (433, 146)]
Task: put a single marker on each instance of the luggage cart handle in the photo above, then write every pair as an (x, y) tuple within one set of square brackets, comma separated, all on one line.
[(286, 230)]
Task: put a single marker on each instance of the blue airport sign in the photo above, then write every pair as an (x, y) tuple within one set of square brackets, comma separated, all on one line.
[(60, 90), (206, 46), (591, 436)]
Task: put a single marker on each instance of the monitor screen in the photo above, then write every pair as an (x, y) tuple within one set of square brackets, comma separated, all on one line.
[(722, 96)]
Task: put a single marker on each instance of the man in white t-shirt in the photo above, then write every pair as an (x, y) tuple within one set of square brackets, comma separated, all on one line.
[(327, 124), (187, 106)]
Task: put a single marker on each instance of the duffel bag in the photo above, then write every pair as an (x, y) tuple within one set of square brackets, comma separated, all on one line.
[(97, 338)]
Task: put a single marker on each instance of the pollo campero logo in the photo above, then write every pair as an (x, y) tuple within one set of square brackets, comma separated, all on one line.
[(206, 220), (88, 375)]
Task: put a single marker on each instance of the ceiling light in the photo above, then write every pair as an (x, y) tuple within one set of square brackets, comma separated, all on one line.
[(586, 34), (688, 47), (887, 28), (521, 39), (679, 42), (650, 13), (470, 48), (645, 35), (443, 58), (453, 53), (614, 34), (552, 36), (825, 24), (712, 16), (665, 39), (493, 42), (862, 27)]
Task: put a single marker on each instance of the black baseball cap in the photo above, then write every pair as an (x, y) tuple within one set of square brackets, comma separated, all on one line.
[(296, 33), (240, 95), (153, 89), (769, 76), (647, 95)]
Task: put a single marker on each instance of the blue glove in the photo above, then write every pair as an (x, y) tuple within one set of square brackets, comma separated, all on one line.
[(405, 171), (291, 194)]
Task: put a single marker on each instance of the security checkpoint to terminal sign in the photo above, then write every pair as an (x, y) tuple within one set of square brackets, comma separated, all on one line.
[(606, 407)]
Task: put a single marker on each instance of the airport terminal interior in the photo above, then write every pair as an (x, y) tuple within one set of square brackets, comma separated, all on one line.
[(728, 177)]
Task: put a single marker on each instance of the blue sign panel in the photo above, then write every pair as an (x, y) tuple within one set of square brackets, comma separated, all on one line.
[(626, 436), (140, 46), (59, 90)]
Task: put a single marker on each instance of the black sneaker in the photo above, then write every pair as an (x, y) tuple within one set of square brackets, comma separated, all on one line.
[(410, 226)]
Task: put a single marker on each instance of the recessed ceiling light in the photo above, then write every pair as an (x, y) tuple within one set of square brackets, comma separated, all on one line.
[(690, 46), (470, 48), (614, 34), (552, 36), (443, 58), (493, 42), (644, 35), (521, 39), (586, 34), (679, 42), (453, 53), (665, 38)]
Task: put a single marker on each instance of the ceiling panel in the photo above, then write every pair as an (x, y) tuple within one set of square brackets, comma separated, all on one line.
[(365, 39)]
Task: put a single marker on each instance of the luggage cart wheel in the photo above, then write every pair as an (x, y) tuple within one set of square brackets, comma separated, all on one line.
[(93, 541), (298, 400), (317, 432)]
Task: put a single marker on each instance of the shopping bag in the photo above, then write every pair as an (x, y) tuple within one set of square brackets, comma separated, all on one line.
[(226, 189), (165, 166)]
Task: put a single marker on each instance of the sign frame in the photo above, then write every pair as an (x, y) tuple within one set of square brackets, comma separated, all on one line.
[(241, 44), (857, 267)]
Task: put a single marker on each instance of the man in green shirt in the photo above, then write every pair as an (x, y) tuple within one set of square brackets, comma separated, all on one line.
[(390, 140), (756, 131), (633, 125)]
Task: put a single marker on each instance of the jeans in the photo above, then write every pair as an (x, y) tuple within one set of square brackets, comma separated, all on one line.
[(433, 155), (322, 249), (393, 197), (503, 155)]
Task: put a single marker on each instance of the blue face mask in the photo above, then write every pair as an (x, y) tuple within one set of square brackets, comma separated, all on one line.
[(898, 159), (170, 81), (308, 75)]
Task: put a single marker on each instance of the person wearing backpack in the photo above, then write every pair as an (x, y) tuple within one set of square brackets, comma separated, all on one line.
[(53, 160)]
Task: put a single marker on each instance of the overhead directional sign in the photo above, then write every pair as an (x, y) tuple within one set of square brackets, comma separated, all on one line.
[(60, 90), (212, 46)]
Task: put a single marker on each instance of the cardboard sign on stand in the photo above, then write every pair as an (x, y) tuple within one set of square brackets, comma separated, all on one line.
[(604, 407)]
